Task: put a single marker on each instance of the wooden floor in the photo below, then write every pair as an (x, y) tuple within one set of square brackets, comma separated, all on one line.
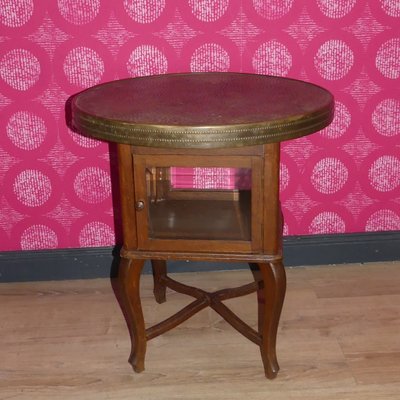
[(339, 339)]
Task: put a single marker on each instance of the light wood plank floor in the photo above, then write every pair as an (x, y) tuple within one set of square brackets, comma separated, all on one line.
[(339, 338)]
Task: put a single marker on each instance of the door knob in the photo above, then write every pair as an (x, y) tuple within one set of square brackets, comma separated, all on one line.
[(139, 205)]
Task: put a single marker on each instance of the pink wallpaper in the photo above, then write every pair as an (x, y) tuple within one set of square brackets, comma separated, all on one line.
[(55, 185)]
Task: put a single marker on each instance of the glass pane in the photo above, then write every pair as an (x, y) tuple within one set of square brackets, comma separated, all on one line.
[(199, 203)]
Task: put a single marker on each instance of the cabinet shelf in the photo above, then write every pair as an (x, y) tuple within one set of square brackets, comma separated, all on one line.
[(201, 219)]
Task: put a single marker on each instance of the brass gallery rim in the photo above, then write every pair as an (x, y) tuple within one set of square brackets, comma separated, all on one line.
[(199, 137)]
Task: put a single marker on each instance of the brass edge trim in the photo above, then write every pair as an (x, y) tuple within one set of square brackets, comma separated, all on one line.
[(89, 121), (274, 131)]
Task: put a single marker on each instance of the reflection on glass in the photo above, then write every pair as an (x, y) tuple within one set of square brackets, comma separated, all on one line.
[(199, 203)]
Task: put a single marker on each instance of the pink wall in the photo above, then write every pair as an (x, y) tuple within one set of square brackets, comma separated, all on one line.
[(55, 185)]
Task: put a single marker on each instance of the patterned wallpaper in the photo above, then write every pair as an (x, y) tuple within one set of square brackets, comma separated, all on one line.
[(55, 185)]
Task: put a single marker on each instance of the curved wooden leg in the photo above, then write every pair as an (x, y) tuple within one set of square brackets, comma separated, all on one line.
[(159, 272), (129, 280), (260, 295), (270, 301)]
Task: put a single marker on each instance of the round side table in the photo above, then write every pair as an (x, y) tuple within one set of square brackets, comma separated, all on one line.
[(198, 160)]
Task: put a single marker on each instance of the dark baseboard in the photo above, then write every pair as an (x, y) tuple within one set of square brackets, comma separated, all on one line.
[(19, 266)]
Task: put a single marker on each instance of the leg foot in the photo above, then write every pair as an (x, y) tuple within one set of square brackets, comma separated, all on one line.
[(270, 301), (129, 280), (159, 271)]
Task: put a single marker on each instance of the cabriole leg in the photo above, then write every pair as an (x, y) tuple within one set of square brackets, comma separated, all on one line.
[(270, 301), (129, 282)]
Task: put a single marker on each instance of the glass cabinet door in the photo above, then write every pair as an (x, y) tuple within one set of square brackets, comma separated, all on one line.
[(197, 201)]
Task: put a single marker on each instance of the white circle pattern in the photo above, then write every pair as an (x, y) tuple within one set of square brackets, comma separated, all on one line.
[(284, 177), (209, 10), (272, 9), (92, 185), (272, 58), (83, 67), (38, 237), (336, 8), (329, 175), (144, 11), (15, 13), (26, 130), (386, 117), (383, 220), (95, 234), (147, 60), (388, 59), (79, 12), (84, 141), (334, 60), (384, 173), (327, 222), (20, 69), (32, 188), (391, 7), (210, 57)]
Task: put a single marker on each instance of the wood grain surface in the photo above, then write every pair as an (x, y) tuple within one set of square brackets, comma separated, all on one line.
[(339, 338)]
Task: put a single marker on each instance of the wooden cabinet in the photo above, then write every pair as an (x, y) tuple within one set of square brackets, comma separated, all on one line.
[(198, 202)]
